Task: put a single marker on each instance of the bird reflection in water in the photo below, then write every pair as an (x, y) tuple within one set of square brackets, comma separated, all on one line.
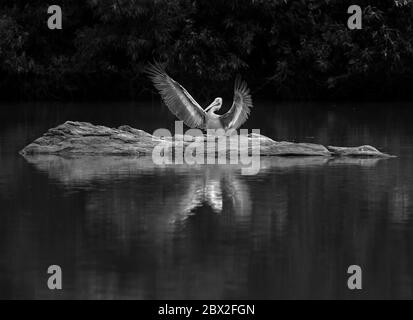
[(216, 186)]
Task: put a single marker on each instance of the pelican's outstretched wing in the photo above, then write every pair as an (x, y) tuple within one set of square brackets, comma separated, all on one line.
[(177, 99), (241, 106)]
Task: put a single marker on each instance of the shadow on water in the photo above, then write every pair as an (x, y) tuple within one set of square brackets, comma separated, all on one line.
[(124, 228)]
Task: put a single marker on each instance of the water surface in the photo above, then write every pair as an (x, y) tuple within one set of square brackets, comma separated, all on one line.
[(123, 228)]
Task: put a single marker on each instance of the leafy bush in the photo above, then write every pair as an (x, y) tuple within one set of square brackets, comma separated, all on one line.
[(294, 49)]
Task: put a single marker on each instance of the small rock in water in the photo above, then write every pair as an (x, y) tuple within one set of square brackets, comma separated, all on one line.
[(362, 151)]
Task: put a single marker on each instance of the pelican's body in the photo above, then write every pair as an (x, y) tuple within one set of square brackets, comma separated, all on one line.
[(181, 103), (213, 121)]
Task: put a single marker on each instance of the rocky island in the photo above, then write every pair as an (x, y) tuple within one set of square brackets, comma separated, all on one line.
[(82, 138)]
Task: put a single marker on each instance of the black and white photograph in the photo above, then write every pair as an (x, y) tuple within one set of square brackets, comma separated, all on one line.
[(206, 155)]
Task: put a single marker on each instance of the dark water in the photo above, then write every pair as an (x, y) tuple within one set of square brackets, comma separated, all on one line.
[(124, 228)]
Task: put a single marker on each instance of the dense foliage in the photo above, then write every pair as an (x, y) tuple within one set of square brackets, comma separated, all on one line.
[(295, 49)]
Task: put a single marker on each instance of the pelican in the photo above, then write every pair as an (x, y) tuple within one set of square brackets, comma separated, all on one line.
[(184, 107)]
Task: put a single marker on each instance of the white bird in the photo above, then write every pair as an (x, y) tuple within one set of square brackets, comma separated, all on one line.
[(181, 103)]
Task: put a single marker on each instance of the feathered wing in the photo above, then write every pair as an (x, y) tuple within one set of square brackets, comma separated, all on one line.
[(241, 107), (176, 98)]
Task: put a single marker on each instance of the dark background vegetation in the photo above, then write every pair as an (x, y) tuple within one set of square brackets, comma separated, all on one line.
[(285, 49)]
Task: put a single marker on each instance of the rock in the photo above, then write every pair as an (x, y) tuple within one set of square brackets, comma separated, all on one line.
[(85, 138), (362, 151), (294, 149), (82, 138)]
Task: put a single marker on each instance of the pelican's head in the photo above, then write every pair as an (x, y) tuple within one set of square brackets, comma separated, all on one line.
[(214, 106), (218, 103)]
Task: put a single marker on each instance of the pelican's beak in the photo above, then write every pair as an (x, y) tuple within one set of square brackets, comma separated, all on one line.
[(213, 104)]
